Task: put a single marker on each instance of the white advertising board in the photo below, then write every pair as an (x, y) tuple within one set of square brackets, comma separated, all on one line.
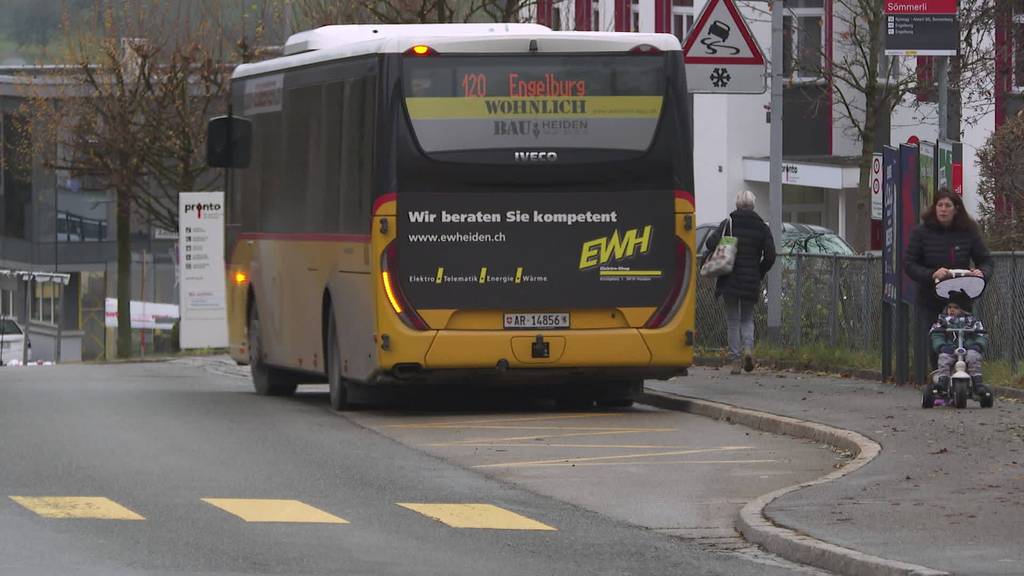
[(144, 315), (203, 304)]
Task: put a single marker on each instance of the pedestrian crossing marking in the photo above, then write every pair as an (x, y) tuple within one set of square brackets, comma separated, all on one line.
[(76, 507), (476, 516), (270, 510)]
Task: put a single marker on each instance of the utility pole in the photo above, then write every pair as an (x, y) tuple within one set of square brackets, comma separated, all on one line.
[(775, 176), (943, 74)]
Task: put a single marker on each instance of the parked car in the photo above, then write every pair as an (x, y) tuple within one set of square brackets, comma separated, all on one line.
[(12, 342), (805, 238)]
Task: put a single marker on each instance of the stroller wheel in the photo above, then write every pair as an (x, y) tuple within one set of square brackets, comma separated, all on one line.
[(985, 396), (928, 399)]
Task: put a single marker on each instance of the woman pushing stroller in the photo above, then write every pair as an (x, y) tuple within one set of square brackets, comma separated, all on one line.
[(948, 241)]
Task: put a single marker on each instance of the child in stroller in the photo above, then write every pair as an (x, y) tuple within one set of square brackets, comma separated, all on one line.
[(959, 339)]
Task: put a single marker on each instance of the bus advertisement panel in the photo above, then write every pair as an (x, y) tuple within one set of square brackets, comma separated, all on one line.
[(568, 250)]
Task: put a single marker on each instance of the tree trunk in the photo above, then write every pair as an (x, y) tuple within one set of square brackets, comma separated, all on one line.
[(124, 275), (861, 228)]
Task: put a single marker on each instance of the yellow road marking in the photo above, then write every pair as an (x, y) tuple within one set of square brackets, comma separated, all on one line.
[(76, 507), (269, 510), (523, 445), (476, 516), (561, 461), (517, 419), (595, 428), (542, 436), (655, 463)]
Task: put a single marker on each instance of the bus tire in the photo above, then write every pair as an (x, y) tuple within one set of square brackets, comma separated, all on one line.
[(266, 380), (335, 380), (621, 395)]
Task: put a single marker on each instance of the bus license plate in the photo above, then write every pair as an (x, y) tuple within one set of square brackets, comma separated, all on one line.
[(534, 321)]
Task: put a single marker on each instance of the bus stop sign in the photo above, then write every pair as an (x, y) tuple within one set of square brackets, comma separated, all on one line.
[(721, 55)]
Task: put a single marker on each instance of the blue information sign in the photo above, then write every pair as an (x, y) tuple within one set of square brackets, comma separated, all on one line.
[(908, 211), (891, 256)]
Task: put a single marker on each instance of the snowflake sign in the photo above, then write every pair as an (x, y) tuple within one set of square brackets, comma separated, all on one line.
[(720, 77)]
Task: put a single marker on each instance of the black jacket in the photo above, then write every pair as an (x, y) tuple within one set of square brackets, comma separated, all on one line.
[(755, 254), (933, 246)]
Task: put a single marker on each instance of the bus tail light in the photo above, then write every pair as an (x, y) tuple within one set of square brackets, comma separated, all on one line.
[(674, 300), (393, 290), (420, 50)]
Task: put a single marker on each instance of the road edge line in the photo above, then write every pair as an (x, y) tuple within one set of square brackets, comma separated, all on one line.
[(757, 527)]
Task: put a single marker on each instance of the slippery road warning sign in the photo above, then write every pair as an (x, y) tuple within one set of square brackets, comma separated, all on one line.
[(721, 55)]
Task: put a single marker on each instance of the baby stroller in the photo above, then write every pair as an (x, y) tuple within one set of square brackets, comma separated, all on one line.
[(961, 385)]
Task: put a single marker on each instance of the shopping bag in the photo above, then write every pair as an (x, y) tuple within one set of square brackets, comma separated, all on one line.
[(720, 262)]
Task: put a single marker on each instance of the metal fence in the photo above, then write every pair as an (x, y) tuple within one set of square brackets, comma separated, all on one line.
[(836, 301)]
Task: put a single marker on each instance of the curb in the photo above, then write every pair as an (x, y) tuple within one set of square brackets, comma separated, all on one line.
[(790, 544), (874, 376)]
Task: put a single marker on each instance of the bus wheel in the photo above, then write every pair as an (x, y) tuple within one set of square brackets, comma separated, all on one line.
[(339, 389), (621, 395), (266, 380)]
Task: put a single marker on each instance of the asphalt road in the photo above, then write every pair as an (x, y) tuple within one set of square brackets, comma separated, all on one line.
[(171, 469)]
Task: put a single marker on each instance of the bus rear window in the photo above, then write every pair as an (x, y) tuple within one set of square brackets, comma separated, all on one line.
[(462, 103)]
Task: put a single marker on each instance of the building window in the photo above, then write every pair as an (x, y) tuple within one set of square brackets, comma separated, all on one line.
[(803, 40), (1018, 49), (44, 304), (682, 18), (6, 303), (556, 17), (595, 16), (635, 16)]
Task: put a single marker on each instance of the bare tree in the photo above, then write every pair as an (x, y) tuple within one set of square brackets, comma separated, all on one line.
[(188, 86), (87, 119), (500, 10), (448, 11), (316, 13), (866, 87), (126, 112)]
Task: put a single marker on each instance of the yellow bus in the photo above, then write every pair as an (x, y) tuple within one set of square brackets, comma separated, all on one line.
[(487, 203)]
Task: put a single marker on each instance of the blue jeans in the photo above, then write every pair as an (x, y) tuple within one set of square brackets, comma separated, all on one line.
[(739, 317)]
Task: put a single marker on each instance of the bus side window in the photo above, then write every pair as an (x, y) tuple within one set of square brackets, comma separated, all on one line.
[(269, 131), (357, 154), (303, 153), (330, 204)]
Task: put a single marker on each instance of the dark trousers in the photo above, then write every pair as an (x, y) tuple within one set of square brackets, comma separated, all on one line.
[(927, 311)]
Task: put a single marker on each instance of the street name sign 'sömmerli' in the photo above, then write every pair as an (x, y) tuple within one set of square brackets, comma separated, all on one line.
[(721, 55), (921, 28)]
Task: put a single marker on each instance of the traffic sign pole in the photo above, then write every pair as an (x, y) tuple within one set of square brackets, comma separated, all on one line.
[(775, 177)]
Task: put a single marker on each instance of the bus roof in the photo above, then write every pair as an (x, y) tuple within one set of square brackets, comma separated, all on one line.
[(341, 41)]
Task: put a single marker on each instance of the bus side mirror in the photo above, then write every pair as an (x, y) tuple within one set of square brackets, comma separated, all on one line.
[(228, 142)]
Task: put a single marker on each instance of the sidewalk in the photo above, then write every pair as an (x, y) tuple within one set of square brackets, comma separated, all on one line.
[(946, 492)]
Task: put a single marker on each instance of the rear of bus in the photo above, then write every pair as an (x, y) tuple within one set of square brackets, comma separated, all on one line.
[(542, 225)]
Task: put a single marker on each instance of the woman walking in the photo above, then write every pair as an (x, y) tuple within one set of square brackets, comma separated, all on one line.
[(740, 290)]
